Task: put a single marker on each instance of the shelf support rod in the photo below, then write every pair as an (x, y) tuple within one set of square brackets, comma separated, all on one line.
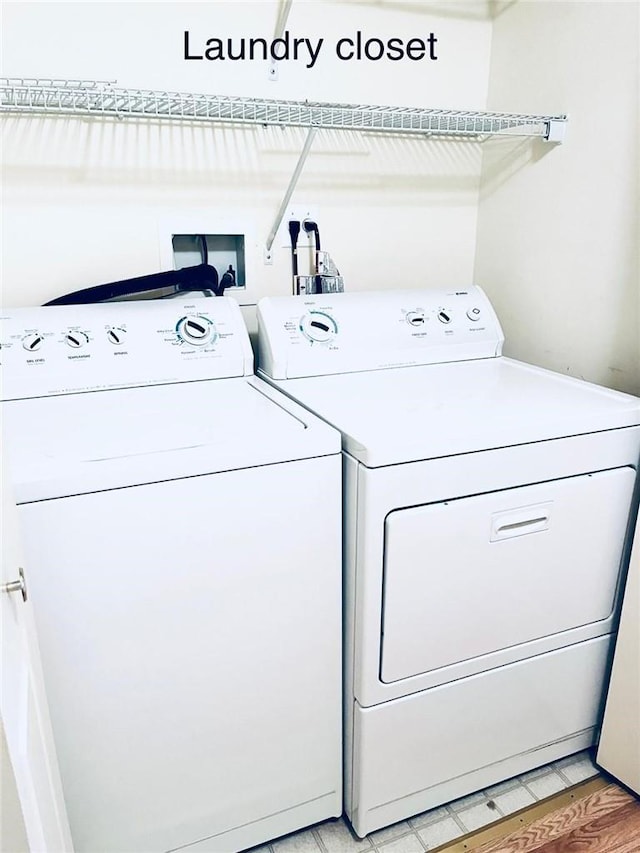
[(283, 14), (281, 22), (291, 187)]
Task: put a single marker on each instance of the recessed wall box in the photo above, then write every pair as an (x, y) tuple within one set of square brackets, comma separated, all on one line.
[(225, 252)]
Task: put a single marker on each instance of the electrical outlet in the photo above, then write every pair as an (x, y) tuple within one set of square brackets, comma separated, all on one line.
[(299, 212)]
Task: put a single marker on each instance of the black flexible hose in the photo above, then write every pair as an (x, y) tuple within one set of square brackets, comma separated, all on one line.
[(200, 277), (294, 233)]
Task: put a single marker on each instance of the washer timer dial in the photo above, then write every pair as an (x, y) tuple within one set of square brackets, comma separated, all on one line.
[(318, 327), (196, 330)]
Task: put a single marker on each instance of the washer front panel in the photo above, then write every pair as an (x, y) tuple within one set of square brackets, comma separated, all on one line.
[(191, 645)]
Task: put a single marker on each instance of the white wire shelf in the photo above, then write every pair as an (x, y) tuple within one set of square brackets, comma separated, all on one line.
[(96, 98)]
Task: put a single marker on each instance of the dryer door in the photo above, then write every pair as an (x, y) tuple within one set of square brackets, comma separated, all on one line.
[(469, 577)]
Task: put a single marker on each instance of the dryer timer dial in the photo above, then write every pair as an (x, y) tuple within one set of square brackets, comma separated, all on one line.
[(318, 327), (415, 318)]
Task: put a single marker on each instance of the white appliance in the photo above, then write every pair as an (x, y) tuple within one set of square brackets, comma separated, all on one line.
[(182, 529), (486, 508), (619, 747)]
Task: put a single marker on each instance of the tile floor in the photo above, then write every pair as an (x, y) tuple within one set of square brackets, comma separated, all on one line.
[(431, 829)]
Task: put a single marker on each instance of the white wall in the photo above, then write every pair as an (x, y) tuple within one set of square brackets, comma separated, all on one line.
[(553, 238), (557, 246), (92, 201)]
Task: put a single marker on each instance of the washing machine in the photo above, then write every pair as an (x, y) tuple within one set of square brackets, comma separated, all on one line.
[(487, 506), (182, 529)]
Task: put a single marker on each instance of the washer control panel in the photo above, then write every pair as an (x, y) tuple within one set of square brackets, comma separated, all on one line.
[(74, 348), (341, 333), (196, 330)]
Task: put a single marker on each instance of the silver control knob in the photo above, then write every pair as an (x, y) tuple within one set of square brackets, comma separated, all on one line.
[(318, 327), (116, 336), (444, 316), (76, 339), (196, 330), (474, 314), (415, 318), (32, 342)]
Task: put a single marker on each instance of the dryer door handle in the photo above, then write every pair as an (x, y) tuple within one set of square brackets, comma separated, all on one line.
[(521, 521)]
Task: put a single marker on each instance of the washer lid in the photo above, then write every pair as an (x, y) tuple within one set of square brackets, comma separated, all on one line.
[(81, 443), (413, 413)]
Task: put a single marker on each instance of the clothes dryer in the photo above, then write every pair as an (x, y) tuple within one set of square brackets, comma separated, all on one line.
[(487, 507), (182, 529)]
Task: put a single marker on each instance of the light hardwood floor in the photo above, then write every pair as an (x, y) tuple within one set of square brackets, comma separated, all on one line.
[(605, 820)]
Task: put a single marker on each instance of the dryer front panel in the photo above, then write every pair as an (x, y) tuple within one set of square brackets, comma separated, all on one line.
[(469, 577)]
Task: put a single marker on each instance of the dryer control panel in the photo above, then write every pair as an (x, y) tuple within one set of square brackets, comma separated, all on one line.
[(69, 349), (347, 332)]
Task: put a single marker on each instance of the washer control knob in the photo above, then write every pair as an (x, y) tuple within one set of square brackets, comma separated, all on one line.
[(444, 316), (196, 330), (415, 318), (32, 342), (474, 314), (76, 339), (116, 335), (318, 327)]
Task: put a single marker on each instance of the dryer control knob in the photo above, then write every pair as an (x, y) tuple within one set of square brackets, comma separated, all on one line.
[(444, 316), (196, 330), (32, 342), (76, 339), (318, 327), (474, 314), (415, 318), (116, 335)]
